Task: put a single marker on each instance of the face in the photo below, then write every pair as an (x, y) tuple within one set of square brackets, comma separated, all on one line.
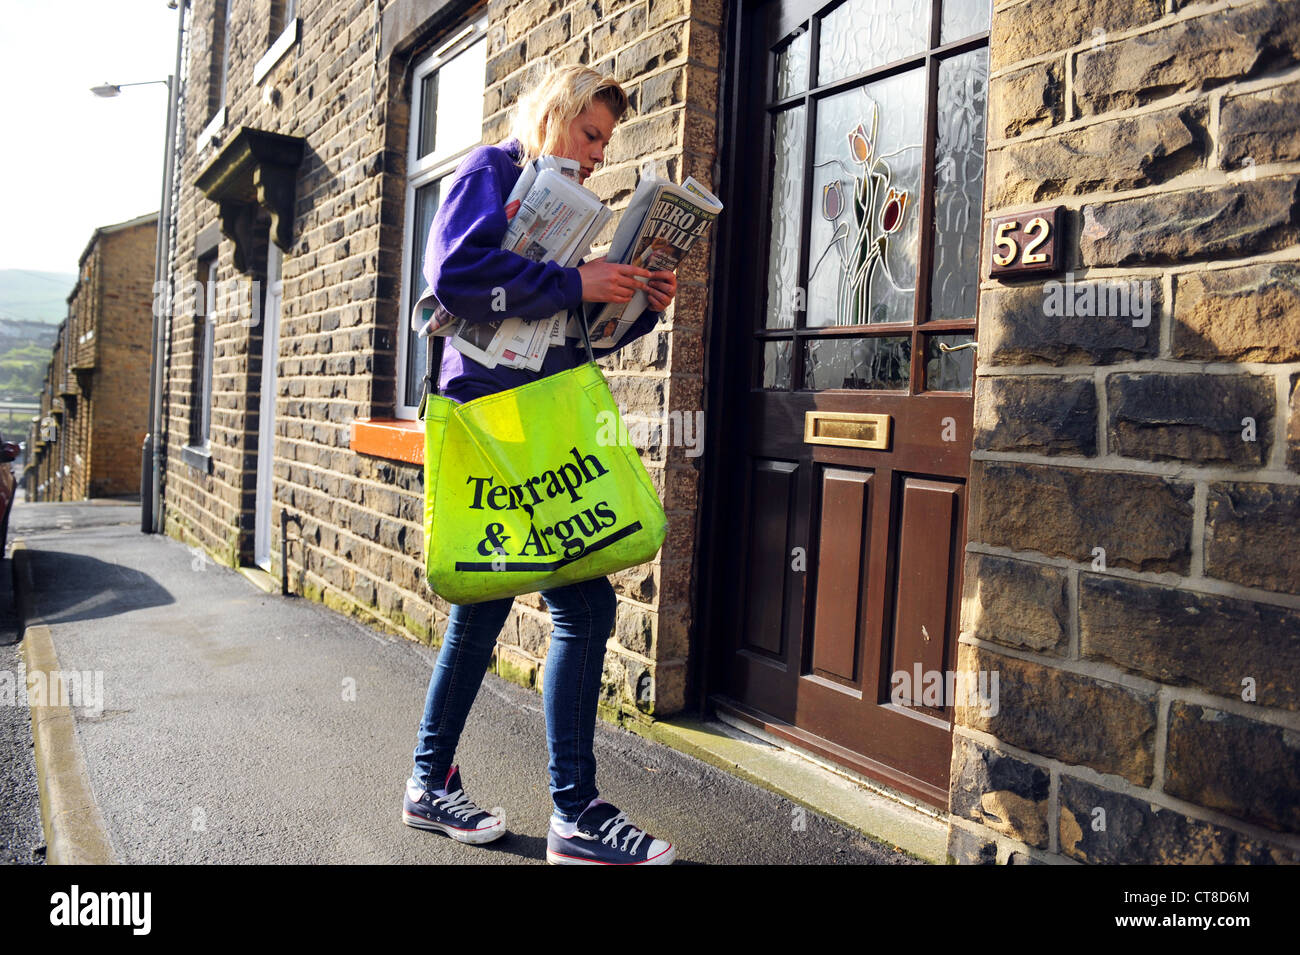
[(588, 135)]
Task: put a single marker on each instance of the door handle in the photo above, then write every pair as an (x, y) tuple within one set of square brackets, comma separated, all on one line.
[(944, 346), (847, 430)]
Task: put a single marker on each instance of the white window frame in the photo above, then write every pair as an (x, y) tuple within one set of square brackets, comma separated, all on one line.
[(420, 172), (202, 439)]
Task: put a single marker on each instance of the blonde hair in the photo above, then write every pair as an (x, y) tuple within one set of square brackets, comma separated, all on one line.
[(544, 113)]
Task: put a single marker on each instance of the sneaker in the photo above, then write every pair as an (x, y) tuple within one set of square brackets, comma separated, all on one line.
[(453, 814), (604, 836)]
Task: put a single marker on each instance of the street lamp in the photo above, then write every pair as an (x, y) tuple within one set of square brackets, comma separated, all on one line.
[(109, 90), (150, 453)]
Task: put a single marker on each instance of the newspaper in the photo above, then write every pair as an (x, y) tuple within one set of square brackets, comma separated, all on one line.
[(660, 225), (552, 219), (429, 318)]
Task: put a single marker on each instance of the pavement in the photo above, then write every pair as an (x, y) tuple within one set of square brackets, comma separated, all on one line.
[(220, 724)]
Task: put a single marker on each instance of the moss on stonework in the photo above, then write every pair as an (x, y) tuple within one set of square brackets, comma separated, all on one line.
[(423, 631), (523, 675)]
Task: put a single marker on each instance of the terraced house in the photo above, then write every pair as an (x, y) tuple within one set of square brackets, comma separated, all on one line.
[(94, 405), (995, 348)]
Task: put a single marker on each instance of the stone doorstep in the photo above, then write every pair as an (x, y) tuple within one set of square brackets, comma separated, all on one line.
[(789, 773), (261, 579)]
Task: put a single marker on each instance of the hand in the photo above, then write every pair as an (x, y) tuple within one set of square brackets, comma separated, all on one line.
[(604, 281), (660, 290)]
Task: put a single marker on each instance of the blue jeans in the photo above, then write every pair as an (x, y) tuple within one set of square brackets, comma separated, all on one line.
[(582, 618)]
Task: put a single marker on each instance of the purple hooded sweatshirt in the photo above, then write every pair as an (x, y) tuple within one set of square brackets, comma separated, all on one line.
[(465, 265)]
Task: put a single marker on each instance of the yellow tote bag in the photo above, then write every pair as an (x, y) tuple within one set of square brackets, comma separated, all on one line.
[(525, 491)]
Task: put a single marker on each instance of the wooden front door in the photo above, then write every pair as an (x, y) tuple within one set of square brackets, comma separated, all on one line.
[(860, 134)]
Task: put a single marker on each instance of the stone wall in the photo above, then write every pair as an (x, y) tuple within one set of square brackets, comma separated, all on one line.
[(1132, 574), (356, 541)]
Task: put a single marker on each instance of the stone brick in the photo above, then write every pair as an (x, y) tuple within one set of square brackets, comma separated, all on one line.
[(1044, 414), (662, 90), (965, 848), (504, 63), (1250, 536), (548, 35), (1032, 29), (637, 582), (1067, 512), (1140, 832), (1184, 638), (1016, 329), (1076, 719), (615, 31), (672, 639), (634, 629), (1194, 54), (1243, 314), (1006, 794), (1104, 157), (526, 15), (1245, 768), (534, 633), (1193, 225), (584, 15), (1026, 100), (656, 50), (1015, 603), (1259, 128), (642, 395), (642, 138), (1193, 417)]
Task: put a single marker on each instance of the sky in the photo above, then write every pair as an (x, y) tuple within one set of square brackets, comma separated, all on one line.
[(73, 161)]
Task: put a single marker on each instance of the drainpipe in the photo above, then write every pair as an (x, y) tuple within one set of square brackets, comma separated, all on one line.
[(151, 453)]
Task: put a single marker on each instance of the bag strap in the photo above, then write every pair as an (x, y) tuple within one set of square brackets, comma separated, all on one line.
[(577, 315), (428, 385)]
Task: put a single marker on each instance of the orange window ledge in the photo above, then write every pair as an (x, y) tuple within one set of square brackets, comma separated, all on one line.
[(398, 439)]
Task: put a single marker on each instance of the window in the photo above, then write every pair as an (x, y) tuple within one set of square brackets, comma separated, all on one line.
[(222, 32), (283, 35), (876, 125), (446, 123), (201, 403)]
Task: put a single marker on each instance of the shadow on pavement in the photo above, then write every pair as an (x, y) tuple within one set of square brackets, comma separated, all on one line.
[(69, 587)]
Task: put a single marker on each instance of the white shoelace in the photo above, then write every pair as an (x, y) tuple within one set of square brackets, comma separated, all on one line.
[(616, 823), (458, 804)]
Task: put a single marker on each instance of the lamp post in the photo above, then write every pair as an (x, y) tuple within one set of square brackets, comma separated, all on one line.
[(151, 452)]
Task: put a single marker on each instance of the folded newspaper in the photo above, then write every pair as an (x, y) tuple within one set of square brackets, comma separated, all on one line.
[(553, 218), (658, 228)]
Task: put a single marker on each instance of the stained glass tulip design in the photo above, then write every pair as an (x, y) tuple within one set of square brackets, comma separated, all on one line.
[(862, 244), (860, 145), (832, 200), (891, 214)]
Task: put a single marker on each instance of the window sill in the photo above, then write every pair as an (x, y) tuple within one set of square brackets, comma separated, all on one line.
[(211, 131), (283, 43), (398, 439), (198, 458)]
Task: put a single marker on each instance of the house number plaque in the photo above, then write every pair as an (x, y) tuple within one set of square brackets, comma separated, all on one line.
[(1026, 243)]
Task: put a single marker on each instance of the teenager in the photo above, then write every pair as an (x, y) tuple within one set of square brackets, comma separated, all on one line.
[(571, 113)]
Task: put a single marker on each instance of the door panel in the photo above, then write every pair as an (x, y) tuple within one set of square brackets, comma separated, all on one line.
[(845, 498), (863, 230)]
